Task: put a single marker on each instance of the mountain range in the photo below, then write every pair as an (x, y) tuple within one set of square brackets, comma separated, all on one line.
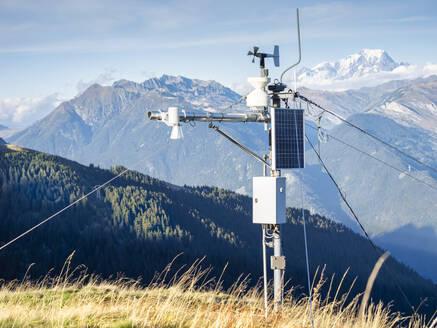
[(107, 125), (137, 224), (367, 61), (368, 67)]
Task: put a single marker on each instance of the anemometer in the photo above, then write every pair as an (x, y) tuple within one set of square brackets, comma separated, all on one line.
[(268, 104), (261, 56)]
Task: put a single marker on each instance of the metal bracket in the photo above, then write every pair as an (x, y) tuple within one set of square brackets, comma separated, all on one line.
[(277, 262), (247, 150)]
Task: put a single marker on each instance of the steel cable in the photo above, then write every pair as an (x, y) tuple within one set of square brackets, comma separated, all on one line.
[(76, 201), (400, 151), (377, 250)]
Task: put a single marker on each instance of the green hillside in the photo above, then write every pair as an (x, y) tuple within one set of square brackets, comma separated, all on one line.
[(138, 224)]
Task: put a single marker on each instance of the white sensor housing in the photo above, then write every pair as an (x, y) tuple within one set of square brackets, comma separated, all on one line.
[(173, 116), (176, 133), (173, 121), (258, 98)]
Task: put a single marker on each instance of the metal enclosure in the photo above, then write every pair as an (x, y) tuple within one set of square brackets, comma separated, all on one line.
[(269, 200)]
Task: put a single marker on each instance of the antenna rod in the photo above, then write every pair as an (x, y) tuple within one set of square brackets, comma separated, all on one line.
[(298, 39)]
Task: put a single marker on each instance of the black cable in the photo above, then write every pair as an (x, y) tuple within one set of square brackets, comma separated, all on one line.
[(375, 158), (366, 132), (377, 250), (340, 192)]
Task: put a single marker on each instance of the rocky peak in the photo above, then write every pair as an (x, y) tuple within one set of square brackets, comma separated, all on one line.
[(365, 62)]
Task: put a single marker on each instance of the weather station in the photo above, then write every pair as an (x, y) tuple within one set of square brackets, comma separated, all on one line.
[(280, 112), (268, 103)]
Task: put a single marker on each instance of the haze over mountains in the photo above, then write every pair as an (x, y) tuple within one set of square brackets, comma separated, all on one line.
[(107, 125), (5, 131)]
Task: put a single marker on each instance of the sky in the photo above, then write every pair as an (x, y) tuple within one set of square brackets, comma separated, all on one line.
[(52, 50)]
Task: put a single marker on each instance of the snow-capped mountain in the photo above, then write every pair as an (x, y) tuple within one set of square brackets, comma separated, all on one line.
[(366, 63)]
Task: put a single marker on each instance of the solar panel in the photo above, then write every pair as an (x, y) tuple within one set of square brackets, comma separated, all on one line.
[(288, 145)]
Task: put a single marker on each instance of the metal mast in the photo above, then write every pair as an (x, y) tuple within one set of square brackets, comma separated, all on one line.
[(286, 151)]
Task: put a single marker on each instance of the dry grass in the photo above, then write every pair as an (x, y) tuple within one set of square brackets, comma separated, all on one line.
[(15, 148), (188, 299)]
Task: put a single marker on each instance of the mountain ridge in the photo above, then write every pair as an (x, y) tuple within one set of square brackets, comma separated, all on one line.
[(368, 67), (357, 65)]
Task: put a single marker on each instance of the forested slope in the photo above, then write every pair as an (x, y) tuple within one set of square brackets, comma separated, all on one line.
[(138, 224)]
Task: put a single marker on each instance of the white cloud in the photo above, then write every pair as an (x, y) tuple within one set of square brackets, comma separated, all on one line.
[(242, 88), (409, 19), (21, 112), (430, 69), (105, 45), (92, 25), (105, 78), (372, 79)]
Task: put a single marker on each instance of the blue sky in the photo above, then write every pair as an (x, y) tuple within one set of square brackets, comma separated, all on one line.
[(54, 49)]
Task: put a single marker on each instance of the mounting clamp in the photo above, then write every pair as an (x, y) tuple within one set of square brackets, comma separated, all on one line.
[(277, 262)]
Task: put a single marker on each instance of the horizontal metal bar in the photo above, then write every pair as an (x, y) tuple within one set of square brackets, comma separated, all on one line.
[(218, 117)]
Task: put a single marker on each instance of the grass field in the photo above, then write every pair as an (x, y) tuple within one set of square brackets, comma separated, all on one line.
[(187, 299)]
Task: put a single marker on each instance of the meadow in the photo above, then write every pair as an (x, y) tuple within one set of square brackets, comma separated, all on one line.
[(189, 298)]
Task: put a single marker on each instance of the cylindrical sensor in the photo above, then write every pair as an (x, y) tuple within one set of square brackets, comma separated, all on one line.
[(173, 116)]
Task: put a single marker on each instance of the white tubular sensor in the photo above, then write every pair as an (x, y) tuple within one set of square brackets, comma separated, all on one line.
[(173, 121), (173, 116)]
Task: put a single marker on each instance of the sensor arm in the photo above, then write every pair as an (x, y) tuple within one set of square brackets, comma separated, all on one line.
[(218, 117), (247, 150)]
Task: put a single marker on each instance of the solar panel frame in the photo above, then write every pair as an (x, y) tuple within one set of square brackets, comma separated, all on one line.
[(286, 153)]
